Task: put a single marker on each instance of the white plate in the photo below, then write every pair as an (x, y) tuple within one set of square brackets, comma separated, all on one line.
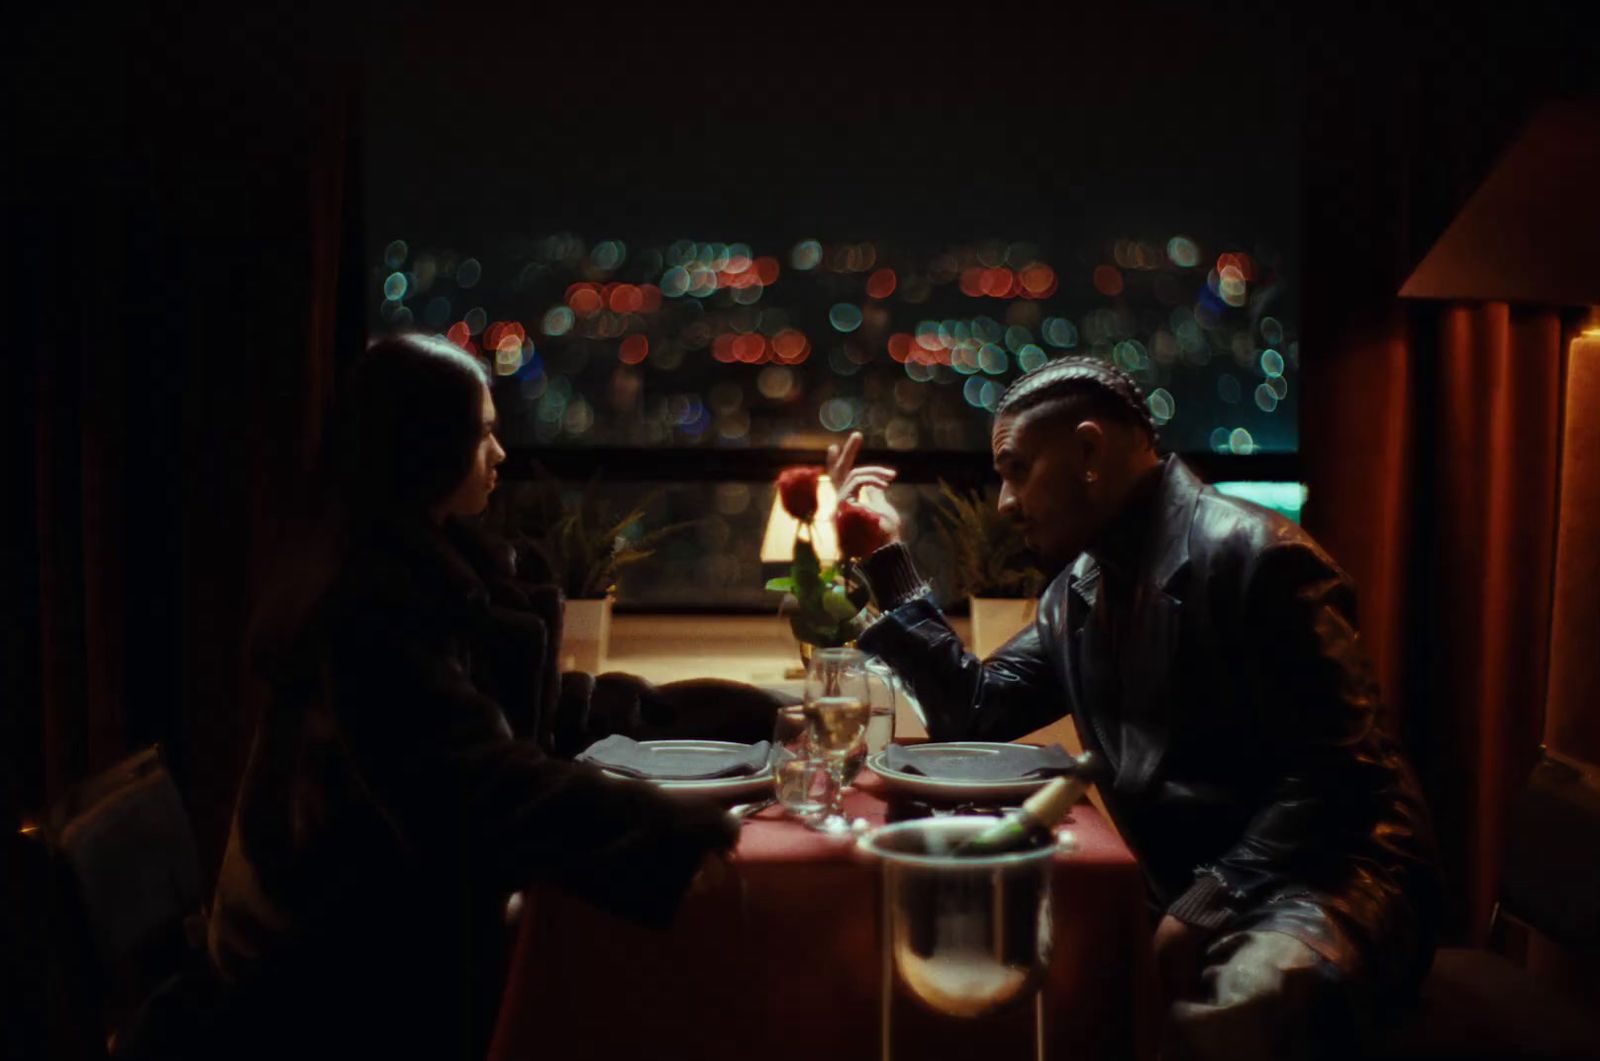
[(943, 791), (716, 787)]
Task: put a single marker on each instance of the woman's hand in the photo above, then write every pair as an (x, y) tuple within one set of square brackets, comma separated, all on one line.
[(716, 870)]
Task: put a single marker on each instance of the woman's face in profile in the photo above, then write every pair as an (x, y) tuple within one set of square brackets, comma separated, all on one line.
[(472, 495)]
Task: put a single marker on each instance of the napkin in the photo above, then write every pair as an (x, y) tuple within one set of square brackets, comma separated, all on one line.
[(1010, 763), (624, 755)]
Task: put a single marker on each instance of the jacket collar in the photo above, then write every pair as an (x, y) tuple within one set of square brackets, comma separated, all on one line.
[(1166, 553)]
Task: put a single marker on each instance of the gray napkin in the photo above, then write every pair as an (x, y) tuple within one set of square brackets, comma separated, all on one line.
[(624, 755), (1013, 762)]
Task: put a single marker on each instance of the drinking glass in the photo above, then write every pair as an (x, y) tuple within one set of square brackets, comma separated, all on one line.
[(838, 706), (801, 779)]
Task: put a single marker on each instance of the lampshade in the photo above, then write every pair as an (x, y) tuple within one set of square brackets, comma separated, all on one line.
[(777, 545), (1531, 232)]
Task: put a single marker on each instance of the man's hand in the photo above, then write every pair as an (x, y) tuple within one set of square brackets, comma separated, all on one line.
[(1178, 946), (865, 485)]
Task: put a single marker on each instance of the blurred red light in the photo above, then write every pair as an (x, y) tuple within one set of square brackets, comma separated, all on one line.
[(766, 270), (998, 283), (722, 348), (1108, 280), (649, 298), (790, 346), (459, 334), (750, 348), (584, 300), (1038, 280), (900, 346), (633, 350), (972, 282), (881, 284), (625, 298)]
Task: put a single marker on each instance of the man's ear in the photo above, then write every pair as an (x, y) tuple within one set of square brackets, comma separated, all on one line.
[(1090, 439)]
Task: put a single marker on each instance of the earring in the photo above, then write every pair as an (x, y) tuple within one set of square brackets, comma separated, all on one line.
[(1088, 477)]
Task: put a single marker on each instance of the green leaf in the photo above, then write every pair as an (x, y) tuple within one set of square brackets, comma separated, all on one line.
[(781, 585), (836, 602)]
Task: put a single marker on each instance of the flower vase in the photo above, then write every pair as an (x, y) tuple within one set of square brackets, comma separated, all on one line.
[(585, 635)]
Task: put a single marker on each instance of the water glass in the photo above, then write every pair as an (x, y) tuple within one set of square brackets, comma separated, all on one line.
[(802, 780)]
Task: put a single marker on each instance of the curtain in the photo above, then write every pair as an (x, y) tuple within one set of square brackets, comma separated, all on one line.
[(185, 280), (1434, 481)]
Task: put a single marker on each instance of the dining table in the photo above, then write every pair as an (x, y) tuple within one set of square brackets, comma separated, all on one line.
[(781, 959)]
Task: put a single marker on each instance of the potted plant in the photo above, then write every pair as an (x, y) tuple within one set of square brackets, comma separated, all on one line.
[(989, 564), (585, 546)]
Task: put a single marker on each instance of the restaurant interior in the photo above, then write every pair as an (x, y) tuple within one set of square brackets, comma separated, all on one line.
[(1350, 253)]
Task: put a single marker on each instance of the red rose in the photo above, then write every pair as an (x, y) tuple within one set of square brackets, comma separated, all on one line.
[(798, 488), (860, 530)]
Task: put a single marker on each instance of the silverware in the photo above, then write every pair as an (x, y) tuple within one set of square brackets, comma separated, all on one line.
[(746, 810)]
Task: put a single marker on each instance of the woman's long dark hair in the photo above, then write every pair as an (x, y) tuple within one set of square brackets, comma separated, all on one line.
[(402, 436), (411, 422)]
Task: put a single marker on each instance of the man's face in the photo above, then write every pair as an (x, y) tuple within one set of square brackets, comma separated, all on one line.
[(1041, 467)]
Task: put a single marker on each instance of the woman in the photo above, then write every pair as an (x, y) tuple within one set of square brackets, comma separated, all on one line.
[(387, 810)]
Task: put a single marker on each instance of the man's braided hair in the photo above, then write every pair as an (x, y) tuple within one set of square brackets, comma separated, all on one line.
[(1102, 386)]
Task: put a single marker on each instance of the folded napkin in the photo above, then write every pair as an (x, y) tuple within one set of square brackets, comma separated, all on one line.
[(1013, 762), (624, 755)]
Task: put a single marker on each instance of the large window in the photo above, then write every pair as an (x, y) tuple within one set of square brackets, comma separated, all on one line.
[(695, 254)]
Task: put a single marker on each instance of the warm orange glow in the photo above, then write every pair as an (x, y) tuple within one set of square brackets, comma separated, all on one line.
[(766, 270), (750, 349), (900, 345), (972, 282), (722, 348), (1108, 280), (584, 299), (633, 350), (881, 283), (791, 346), (999, 283), (625, 298), (1237, 260), (649, 298), (1038, 281), (459, 334)]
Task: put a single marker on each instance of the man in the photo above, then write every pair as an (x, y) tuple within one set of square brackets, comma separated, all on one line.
[(1207, 650)]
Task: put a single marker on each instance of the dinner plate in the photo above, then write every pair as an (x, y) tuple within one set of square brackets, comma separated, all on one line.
[(938, 790), (715, 787)]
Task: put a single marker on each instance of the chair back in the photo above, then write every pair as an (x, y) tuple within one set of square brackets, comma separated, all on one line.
[(1550, 878), (129, 875)]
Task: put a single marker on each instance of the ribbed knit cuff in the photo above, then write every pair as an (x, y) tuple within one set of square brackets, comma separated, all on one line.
[(1204, 905), (891, 576)]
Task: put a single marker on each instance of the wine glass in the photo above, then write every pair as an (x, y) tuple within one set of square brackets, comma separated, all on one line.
[(838, 706)]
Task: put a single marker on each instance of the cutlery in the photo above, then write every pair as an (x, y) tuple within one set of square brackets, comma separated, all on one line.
[(746, 810)]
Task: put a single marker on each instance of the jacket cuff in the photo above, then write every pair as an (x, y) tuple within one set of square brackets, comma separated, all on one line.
[(1204, 905), (891, 576)]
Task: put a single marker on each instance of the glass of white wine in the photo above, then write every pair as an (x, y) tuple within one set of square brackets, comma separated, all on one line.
[(838, 706)]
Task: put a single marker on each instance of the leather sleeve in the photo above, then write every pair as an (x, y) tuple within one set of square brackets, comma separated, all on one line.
[(1334, 778), (441, 761), (1012, 693)]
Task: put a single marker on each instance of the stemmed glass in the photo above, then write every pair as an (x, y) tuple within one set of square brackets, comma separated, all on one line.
[(838, 706)]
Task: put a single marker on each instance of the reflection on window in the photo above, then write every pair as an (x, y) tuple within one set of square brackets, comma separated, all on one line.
[(1286, 499), (697, 343)]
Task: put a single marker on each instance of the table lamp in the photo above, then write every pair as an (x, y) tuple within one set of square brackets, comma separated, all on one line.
[(777, 545)]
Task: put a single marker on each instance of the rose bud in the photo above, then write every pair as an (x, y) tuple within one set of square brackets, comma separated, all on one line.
[(798, 488), (860, 530)]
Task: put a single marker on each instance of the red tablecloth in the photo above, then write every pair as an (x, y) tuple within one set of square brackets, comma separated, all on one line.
[(784, 962)]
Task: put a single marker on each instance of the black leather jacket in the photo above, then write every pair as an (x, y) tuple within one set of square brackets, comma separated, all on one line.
[(1221, 675)]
